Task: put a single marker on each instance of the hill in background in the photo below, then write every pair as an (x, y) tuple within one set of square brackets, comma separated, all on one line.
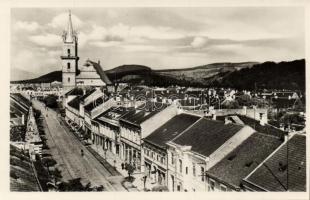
[(246, 75)]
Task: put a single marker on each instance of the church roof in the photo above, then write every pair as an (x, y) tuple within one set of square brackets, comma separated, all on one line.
[(100, 72)]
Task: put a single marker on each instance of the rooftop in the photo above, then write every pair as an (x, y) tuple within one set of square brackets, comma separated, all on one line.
[(241, 161), (88, 93), (143, 112), (171, 129), (96, 102), (113, 113), (271, 175), (75, 91), (267, 129), (205, 136), (75, 103)]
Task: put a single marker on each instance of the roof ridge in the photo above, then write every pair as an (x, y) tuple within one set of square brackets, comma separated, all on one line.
[(186, 129)]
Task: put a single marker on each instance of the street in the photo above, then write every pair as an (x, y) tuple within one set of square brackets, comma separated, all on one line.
[(66, 150)]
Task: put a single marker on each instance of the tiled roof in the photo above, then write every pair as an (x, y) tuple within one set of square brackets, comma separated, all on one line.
[(21, 99), (96, 102), (18, 108), (143, 112), (171, 129), (205, 136), (75, 91), (101, 73), (272, 174), (88, 93), (267, 129), (113, 113), (242, 160), (75, 103)]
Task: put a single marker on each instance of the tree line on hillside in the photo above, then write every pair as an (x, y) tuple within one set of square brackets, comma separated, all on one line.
[(268, 75)]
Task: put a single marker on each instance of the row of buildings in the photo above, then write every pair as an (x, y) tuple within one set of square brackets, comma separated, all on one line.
[(190, 151)]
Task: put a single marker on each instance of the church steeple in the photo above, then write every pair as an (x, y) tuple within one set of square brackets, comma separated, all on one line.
[(69, 35), (69, 56)]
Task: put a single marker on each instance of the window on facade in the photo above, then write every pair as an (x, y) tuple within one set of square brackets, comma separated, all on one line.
[(211, 185), (194, 169), (223, 188), (186, 170), (202, 174), (172, 158), (68, 79), (68, 51), (180, 165), (68, 66)]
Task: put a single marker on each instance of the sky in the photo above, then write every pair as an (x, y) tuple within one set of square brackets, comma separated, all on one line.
[(160, 38)]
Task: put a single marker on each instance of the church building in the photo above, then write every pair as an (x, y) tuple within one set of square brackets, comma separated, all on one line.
[(90, 74)]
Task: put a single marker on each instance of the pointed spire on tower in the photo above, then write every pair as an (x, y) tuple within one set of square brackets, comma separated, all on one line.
[(70, 32)]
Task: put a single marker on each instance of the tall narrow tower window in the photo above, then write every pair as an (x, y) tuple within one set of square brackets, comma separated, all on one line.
[(68, 66), (68, 51), (69, 80)]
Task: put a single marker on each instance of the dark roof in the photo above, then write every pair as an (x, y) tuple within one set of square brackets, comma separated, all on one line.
[(171, 129), (205, 136), (75, 103), (143, 112), (75, 91), (242, 160), (22, 178), (113, 113), (96, 102), (272, 174), (267, 129), (101, 73), (21, 99), (17, 108), (88, 93)]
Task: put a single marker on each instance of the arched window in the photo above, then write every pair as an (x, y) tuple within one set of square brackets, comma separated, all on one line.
[(68, 66), (68, 79), (68, 51)]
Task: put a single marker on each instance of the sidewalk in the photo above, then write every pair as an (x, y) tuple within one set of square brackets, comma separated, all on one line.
[(117, 163)]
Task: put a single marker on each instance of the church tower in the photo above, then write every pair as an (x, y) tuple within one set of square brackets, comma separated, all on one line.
[(69, 58)]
